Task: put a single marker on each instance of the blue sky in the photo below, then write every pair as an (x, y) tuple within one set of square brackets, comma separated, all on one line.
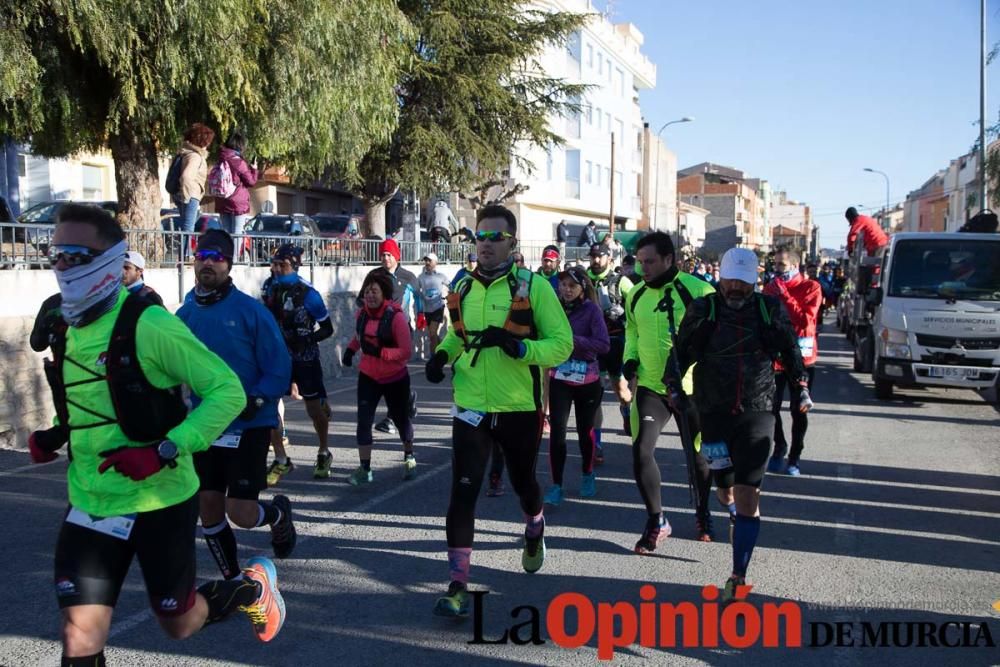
[(806, 93)]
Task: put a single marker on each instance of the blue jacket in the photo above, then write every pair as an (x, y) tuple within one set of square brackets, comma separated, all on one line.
[(242, 331)]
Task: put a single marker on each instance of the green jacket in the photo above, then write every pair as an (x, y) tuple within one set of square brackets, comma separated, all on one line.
[(647, 332), (169, 355), (499, 383)]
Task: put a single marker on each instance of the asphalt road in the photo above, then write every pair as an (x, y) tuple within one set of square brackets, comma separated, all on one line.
[(895, 519)]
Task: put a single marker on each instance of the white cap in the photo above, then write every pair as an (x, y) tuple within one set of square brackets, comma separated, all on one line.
[(739, 264), (431, 256), (135, 259)]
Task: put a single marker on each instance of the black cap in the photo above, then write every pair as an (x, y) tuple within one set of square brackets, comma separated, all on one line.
[(851, 213), (628, 260), (292, 253), (218, 240), (599, 249)]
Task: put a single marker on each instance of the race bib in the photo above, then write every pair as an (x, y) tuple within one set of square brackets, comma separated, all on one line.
[(471, 417), (807, 345), (229, 440), (573, 371), (119, 527), (717, 455)]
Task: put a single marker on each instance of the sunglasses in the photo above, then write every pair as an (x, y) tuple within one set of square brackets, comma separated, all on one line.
[(72, 255), (213, 255), (493, 237)]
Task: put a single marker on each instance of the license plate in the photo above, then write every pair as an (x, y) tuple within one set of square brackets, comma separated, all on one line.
[(959, 373)]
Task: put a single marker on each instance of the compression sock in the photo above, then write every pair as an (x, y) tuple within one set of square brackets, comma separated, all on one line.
[(95, 660), (225, 597), (267, 514), (366, 464), (744, 538), (459, 563), (533, 525), (222, 543)]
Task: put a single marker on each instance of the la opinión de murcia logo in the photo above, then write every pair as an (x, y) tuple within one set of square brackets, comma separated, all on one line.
[(710, 624)]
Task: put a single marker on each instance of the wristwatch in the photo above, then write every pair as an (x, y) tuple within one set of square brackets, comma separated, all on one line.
[(167, 451)]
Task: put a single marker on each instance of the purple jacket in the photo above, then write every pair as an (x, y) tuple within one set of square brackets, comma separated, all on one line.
[(590, 340), (244, 176)]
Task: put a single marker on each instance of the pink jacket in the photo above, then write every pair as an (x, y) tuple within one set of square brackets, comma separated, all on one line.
[(244, 176), (391, 364)]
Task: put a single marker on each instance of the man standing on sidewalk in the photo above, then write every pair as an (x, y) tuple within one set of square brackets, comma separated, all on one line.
[(802, 298)]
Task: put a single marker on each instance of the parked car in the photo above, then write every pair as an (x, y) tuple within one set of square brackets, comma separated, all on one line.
[(46, 213), (264, 230), (337, 225)]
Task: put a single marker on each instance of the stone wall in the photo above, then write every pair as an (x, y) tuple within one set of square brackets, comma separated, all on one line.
[(25, 402)]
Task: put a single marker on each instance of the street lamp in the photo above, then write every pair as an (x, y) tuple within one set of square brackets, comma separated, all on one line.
[(656, 186), (885, 219)]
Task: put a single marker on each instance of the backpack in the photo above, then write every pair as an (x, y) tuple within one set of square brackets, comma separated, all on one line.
[(173, 182), (220, 181), (384, 333), (520, 317)]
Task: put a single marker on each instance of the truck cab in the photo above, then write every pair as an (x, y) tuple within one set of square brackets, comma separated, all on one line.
[(935, 317)]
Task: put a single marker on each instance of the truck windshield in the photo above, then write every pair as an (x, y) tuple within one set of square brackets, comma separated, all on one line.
[(946, 269)]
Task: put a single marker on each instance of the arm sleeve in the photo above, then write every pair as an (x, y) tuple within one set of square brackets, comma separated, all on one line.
[(625, 286), (247, 174), (555, 338), (401, 334), (325, 330), (170, 355), (631, 332), (272, 357), (852, 236)]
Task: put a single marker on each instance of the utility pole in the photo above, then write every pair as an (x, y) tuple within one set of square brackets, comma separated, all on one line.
[(611, 213), (983, 198)]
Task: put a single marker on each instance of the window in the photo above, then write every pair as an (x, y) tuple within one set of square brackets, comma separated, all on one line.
[(600, 63), (573, 174), (22, 165), (607, 175), (597, 175), (590, 114), (549, 157), (590, 172), (610, 71), (599, 125), (93, 182), (590, 55), (621, 130), (607, 121), (573, 46), (621, 82), (619, 184)]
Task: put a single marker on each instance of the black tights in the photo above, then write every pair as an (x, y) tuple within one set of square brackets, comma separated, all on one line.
[(518, 434), (586, 399), (800, 420), (650, 413)]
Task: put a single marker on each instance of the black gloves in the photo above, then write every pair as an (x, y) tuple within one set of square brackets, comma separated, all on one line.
[(348, 358), (494, 336), (434, 370), (629, 369), (254, 403)]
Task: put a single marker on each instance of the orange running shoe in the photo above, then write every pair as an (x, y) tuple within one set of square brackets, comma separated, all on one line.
[(267, 613)]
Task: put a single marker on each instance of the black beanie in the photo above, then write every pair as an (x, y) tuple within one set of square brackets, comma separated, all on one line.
[(219, 240)]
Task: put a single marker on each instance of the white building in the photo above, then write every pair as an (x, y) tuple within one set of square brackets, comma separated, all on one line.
[(84, 177), (692, 224), (659, 182), (573, 182), (962, 187)]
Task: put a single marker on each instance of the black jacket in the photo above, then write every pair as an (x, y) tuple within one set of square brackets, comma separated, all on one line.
[(735, 352)]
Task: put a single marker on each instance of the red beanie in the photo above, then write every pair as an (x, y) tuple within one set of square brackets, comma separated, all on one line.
[(390, 246)]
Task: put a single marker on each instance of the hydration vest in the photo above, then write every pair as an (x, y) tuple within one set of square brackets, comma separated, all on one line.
[(284, 302), (520, 320), (384, 333), (143, 412)]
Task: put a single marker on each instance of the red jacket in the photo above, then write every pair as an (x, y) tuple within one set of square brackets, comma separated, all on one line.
[(391, 364), (244, 176), (875, 238), (802, 297)]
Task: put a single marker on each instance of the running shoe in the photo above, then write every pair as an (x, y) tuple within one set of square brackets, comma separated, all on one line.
[(588, 485), (703, 526), (495, 487), (386, 426), (283, 531), (409, 467), (267, 613), (554, 496), (413, 405), (454, 603), (657, 529), (793, 470), (361, 476), (730, 590), (776, 464), (277, 470), (324, 461), (598, 455), (533, 556)]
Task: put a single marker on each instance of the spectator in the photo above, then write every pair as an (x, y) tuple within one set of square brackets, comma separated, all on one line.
[(588, 236), (562, 237), (191, 164), (518, 259), (132, 272), (874, 237), (234, 209), (471, 260), (612, 244), (550, 266)]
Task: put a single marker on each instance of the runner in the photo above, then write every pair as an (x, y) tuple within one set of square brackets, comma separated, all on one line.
[(733, 336), (653, 311), (612, 288), (433, 289), (577, 382), (131, 479), (505, 327), (802, 298), (550, 266), (383, 335), (406, 294), (132, 278), (299, 310), (233, 471)]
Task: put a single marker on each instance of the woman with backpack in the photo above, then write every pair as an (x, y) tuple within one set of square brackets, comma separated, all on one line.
[(228, 183), (188, 171), (382, 333), (577, 382)]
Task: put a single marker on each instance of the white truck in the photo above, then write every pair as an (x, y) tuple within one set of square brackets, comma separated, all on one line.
[(935, 317)]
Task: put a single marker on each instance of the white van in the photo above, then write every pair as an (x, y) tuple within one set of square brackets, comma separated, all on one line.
[(937, 316)]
